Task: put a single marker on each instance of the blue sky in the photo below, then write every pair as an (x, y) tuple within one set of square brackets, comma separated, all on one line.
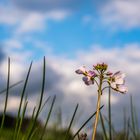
[(68, 29), (70, 34)]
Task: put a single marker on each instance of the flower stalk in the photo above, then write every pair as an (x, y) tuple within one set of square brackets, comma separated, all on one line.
[(98, 105)]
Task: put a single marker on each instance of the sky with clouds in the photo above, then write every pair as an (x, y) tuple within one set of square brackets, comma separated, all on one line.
[(70, 34)]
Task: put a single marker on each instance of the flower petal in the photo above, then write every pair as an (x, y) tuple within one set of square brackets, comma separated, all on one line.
[(91, 74), (87, 80), (119, 81), (113, 85), (122, 89), (119, 75), (81, 70)]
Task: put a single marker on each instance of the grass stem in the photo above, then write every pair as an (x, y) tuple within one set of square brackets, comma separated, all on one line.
[(7, 92)]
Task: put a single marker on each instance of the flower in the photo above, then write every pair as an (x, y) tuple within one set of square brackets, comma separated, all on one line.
[(117, 82), (81, 70), (88, 75), (88, 80)]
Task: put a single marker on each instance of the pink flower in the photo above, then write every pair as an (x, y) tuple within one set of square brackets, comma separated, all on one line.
[(89, 78), (88, 75), (117, 82), (81, 70), (122, 89)]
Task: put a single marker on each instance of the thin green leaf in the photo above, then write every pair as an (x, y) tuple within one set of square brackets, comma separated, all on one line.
[(44, 104), (132, 118), (125, 124), (7, 93), (21, 101), (40, 102), (103, 126), (48, 117), (11, 86), (68, 130), (136, 121), (22, 117), (112, 127), (85, 123), (127, 131)]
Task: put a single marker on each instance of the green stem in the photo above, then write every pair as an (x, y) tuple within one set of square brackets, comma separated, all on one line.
[(97, 108), (109, 113), (103, 126), (7, 93)]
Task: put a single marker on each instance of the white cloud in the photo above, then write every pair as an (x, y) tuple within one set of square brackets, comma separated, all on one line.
[(31, 22), (12, 44), (38, 21), (8, 15), (121, 13), (28, 21), (57, 15), (13, 103)]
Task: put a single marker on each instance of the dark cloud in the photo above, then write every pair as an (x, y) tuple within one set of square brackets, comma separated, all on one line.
[(45, 5), (2, 55), (35, 81)]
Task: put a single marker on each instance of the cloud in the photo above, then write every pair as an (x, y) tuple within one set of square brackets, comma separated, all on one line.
[(23, 22), (8, 15), (46, 5), (32, 22), (122, 14), (12, 44), (36, 22), (2, 54)]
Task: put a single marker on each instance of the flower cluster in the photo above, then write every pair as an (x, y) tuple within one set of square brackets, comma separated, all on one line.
[(116, 81)]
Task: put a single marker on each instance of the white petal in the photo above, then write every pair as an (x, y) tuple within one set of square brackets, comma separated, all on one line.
[(81, 70), (119, 81), (113, 85), (119, 75), (122, 89)]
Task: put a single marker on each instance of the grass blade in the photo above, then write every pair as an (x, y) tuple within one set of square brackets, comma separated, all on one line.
[(132, 118), (44, 104), (124, 123), (103, 126), (22, 117), (127, 131), (11, 86), (136, 121), (85, 123), (66, 136), (21, 100), (40, 102), (47, 120), (112, 127), (7, 92)]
